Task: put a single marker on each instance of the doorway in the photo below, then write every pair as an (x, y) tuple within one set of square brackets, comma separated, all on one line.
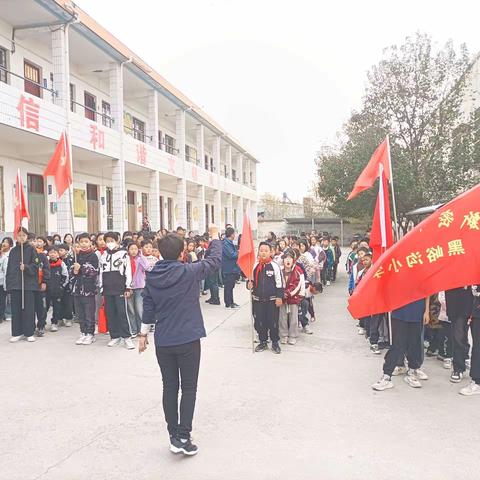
[(36, 204), (93, 209), (132, 210)]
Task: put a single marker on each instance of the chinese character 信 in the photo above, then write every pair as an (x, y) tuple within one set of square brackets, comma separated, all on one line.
[(379, 273), (395, 265), (97, 137), (455, 247), (445, 219), (141, 154), (434, 253), (472, 221), (414, 258), (29, 113)]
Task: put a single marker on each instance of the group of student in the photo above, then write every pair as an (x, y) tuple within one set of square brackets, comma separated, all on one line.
[(79, 276), (435, 327), (289, 271)]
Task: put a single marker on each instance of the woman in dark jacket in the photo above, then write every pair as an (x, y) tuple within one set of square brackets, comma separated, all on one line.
[(23, 317)]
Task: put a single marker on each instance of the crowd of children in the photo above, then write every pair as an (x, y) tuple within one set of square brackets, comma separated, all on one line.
[(436, 327)]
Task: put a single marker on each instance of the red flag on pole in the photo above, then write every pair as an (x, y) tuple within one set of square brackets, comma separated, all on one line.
[(20, 208), (381, 236), (60, 166), (246, 254), (438, 254), (370, 172)]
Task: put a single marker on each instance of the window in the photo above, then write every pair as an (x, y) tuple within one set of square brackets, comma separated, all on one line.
[(35, 184), (3, 65), (206, 162), (90, 106), (162, 212), (234, 175), (130, 197), (225, 173), (251, 178), (213, 213), (160, 140), (106, 114), (72, 97), (169, 144), (244, 178), (211, 165), (207, 214), (190, 154), (32, 76), (92, 192), (170, 213), (2, 206), (189, 215), (144, 205), (138, 129)]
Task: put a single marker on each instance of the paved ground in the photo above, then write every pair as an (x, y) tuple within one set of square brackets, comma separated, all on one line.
[(76, 412)]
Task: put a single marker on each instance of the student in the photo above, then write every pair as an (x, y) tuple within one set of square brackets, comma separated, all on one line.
[(230, 269), (7, 244), (191, 253), (43, 277), (116, 284), (294, 281), (139, 266), (351, 258), (67, 255), (306, 261), (84, 275), (407, 327), (68, 240), (441, 343), (147, 252), (56, 285), (337, 253), (474, 386), (329, 261), (171, 302), (267, 296), (23, 318)]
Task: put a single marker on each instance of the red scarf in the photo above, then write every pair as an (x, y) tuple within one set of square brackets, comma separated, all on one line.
[(260, 267), (133, 264), (56, 263), (101, 249)]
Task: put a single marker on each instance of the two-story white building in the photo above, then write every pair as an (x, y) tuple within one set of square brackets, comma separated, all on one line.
[(139, 146)]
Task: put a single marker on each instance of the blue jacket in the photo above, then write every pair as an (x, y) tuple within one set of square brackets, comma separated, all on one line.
[(171, 298), (411, 312), (229, 258)]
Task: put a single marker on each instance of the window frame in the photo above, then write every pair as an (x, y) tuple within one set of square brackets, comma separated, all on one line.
[(4, 77), (106, 116), (26, 80), (90, 110), (138, 133)]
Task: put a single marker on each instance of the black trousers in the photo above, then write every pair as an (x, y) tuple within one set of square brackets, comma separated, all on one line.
[(373, 323), (475, 365), (334, 271), (67, 306), (266, 317), (56, 303), (442, 340), (460, 345), (85, 309), (179, 365), (229, 281), (116, 311), (407, 340), (40, 309), (3, 302), (211, 283), (23, 320)]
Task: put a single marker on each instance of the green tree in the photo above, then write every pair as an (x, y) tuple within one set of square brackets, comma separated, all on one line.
[(416, 95)]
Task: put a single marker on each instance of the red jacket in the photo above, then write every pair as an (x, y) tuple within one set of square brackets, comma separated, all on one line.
[(294, 286)]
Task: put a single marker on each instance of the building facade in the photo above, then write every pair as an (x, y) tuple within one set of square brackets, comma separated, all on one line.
[(139, 147)]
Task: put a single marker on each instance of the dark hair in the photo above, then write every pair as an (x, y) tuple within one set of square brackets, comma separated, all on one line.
[(305, 243), (171, 246), (363, 249), (53, 247), (180, 229), (263, 243), (83, 235), (229, 232), (146, 242), (66, 235), (63, 245), (56, 235), (43, 239), (31, 236), (9, 240), (335, 238), (129, 244), (290, 252), (127, 233), (113, 235), (368, 253)]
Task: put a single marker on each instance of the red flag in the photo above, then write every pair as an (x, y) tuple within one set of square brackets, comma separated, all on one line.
[(381, 236), (438, 254), (20, 208), (246, 255), (367, 178), (60, 166)]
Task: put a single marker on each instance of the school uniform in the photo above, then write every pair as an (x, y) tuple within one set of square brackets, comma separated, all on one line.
[(55, 287), (39, 295), (337, 252), (23, 319), (115, 280), (3, 291), (67, 299), (267, 287), (139, 266), (294, 293)]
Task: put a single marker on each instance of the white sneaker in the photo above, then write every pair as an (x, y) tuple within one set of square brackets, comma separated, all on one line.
[(412, 380), (54, 328), (292, 341), (328, 284), (448, 364), (361, 331), (421, 375), (31, 339), (383, 384), (399, 371), (468, 363), (88, 340), (129, 344), (471, 389), (80, 340), (307, 330), (114, 342), (284, 340), (68, 323), (16, 339)]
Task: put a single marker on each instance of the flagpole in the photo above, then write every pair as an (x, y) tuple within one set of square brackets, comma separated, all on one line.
[(395, 218), (23, 277)]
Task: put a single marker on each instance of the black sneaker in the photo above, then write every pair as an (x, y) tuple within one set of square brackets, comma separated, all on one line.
[(430, 354), (40, 332), (209, 300), (183, 446), (456, 377), (262, 346), (234, 305), (276, 348), (375, 349)]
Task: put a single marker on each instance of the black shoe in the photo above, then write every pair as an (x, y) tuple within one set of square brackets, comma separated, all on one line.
[(227, 306), (209, 300), (456, 377), (429, 353), (215, 302), (234, 305), (276, 348), (183, 446), (262, 346), (40, 332)]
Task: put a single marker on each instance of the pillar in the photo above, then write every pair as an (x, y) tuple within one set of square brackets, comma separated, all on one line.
[(240, 168), (181, 182), (152, 123), (154, 200), (248, 170), (240, 214), (254, 218), (217, 154), (217, 207), (228, 160), (229, 218), (202, 221), (201, 144)]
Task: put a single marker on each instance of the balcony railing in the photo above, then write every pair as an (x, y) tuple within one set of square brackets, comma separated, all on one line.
[(107, 120), (53, 92)]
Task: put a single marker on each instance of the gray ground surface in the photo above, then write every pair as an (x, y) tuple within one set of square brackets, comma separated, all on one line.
[(77, 412)]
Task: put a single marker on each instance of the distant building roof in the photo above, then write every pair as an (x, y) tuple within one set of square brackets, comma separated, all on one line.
[(317, 221), (424, 210)]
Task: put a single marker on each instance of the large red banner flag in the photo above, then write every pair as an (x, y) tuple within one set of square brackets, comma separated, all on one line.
[(381, 156), (381, 235), (60, 166), (20, 204), (440, 253), (246, 254)]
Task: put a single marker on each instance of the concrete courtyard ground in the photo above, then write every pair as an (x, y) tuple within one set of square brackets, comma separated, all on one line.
[(72, 412)]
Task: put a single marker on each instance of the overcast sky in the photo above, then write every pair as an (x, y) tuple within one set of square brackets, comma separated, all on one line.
[(280, 76)]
